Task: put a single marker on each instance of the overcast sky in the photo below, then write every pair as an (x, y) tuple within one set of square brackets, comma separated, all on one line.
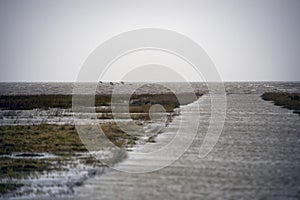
[(247, 40)]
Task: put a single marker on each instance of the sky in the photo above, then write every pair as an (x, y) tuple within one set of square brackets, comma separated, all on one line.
[(49, 40)]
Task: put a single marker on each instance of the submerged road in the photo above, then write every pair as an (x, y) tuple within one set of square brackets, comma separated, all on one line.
[(256, 157)]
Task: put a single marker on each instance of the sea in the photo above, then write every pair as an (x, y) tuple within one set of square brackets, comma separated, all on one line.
[(32, 88)]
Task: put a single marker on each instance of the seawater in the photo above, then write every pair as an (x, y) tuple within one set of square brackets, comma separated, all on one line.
[(31, 88)]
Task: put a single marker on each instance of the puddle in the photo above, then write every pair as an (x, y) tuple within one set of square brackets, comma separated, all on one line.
[(26, 155)]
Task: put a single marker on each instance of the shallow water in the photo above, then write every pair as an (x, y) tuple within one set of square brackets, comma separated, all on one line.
[(256, 157)]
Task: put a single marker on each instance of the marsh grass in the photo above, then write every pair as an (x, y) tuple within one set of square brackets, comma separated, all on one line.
[(140, 105), (287, 100), (56, 139), (61, 140), (28, 102), (23, 168), (7, 187)]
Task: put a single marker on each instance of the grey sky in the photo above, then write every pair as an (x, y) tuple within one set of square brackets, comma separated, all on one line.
[(247, 39)]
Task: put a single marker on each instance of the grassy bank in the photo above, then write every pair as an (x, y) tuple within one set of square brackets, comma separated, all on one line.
[(28, 102), (55, 139), (63, 140), (287, 100), (60, 140)]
